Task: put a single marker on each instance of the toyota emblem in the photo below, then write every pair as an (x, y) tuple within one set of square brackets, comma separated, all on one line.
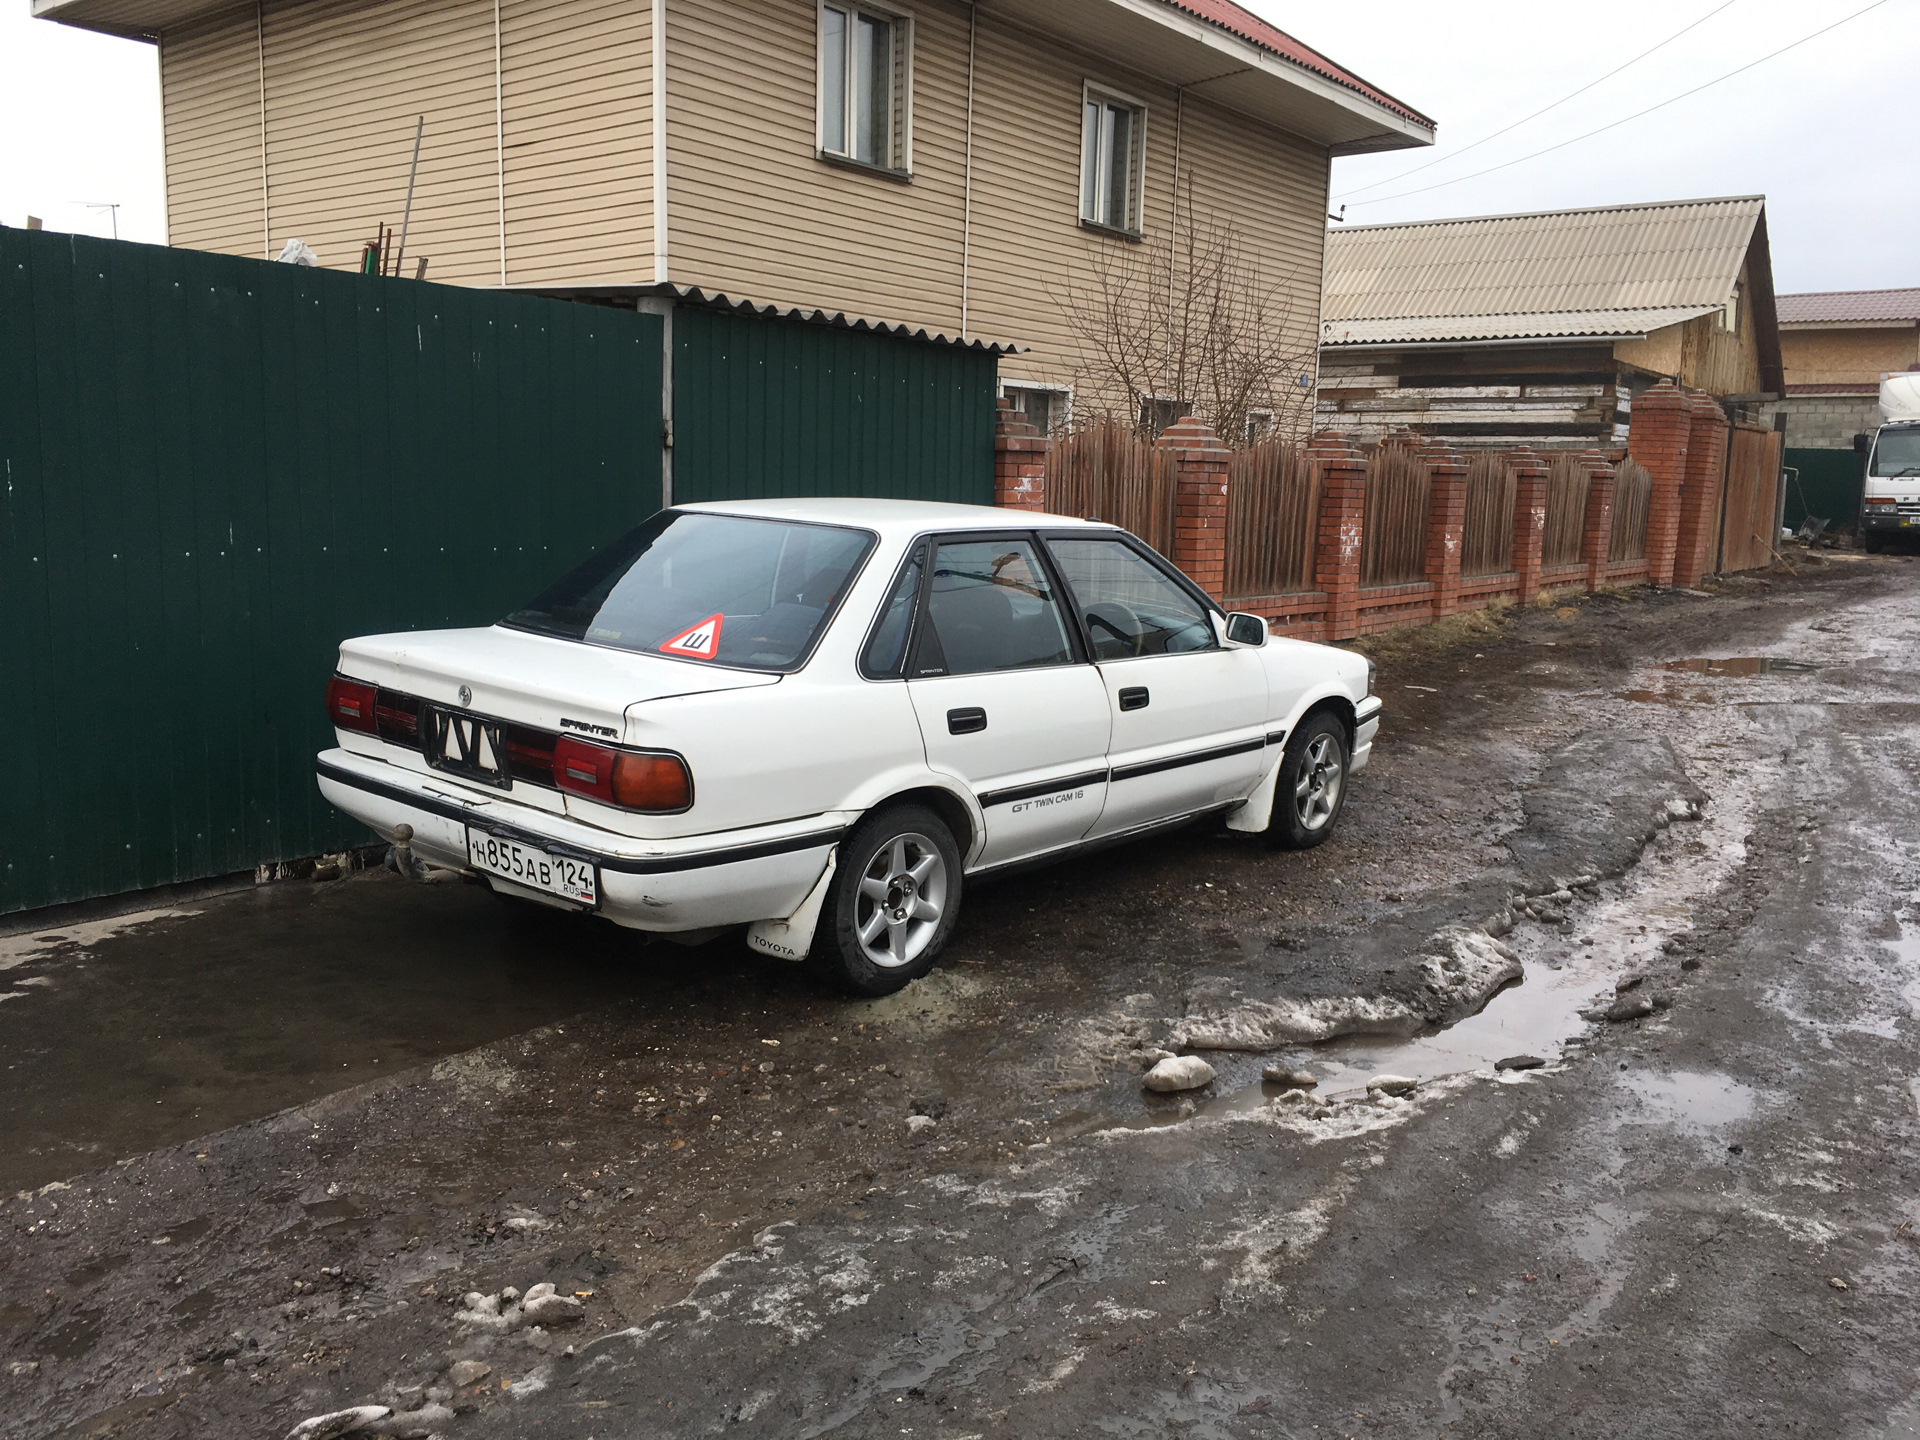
[(466, 695)]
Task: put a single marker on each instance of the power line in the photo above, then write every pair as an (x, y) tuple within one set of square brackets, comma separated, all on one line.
[(1615, 124), (1456, 154)]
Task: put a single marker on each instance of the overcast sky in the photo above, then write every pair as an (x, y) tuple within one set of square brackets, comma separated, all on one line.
[(1825, 131)]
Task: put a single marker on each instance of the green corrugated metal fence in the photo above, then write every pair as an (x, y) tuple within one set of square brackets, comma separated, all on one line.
[(1829, 485), (783, 407), (211, 471)]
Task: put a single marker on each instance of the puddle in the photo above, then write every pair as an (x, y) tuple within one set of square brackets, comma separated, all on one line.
[(1566, 970), (1668, 697), (1693, 1099), (188, 1230), (76, 1337), (1739, 665), (95, 1270), (331, 1212)]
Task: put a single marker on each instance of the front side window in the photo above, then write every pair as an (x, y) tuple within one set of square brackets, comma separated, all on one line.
[(1129, 606), (718, 589), (863, 85), (1112, 146), (990, 607)]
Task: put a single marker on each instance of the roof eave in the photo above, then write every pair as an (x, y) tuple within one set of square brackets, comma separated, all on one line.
[(1399, 131)]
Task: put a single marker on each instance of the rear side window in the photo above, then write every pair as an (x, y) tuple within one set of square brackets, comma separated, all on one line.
[(1129, 606), (990, 607), (720, 589), (887, 646)]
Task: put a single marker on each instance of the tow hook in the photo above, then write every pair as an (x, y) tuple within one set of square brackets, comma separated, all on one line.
[(409, 866)]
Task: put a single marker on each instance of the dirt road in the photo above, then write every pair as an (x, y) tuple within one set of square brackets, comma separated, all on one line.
[(955, 1211)]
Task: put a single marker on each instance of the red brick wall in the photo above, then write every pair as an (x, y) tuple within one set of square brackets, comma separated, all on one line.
[(1019, 462)]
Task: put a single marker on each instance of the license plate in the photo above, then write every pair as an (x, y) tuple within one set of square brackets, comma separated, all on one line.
[(465, 745), (536, 869)]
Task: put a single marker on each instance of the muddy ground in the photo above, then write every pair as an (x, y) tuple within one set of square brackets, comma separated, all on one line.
[(263, 1150)]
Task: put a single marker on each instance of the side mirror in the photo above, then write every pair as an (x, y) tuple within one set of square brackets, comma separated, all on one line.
[(1861, 444), (1245, 629)]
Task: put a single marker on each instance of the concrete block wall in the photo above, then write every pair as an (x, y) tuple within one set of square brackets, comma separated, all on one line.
[(1824, 422)]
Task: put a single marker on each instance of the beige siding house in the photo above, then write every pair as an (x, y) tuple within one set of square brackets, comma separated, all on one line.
[(961, 169), (1541, 328)]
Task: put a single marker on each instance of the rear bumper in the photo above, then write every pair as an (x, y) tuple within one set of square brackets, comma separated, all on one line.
[(696, 883)]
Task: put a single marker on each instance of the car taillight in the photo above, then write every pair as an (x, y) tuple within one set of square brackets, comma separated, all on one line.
[(350, 705), (651, 782), (617, 777)]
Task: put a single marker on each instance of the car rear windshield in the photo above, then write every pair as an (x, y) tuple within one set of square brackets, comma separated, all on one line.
[(717, 589)]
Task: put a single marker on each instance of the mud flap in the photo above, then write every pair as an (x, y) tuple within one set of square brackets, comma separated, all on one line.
[(792, 938), (1254, 815)]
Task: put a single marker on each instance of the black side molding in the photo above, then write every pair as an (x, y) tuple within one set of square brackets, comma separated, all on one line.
[(1044, 787), (1174, 762)]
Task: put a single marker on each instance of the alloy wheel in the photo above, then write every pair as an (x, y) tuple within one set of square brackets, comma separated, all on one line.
[(903, 892), (1317, 794)]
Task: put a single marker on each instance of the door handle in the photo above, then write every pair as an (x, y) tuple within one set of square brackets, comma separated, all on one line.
[(1134, 697), (968, 720)]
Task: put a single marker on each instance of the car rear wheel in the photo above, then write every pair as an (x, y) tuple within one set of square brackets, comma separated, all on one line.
[(1312, 789), (893, 902)]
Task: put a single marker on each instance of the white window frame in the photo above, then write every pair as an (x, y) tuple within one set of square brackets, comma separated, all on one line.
[(899, 163), (1090, 94), (1259, 424), (1064, 392)]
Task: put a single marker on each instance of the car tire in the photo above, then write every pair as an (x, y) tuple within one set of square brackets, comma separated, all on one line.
[(1312, 788), (893, 901)]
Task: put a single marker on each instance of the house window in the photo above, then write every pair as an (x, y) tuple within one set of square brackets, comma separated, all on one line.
[(1157, 412), (1112, 156), (864, 85), (1259, 425), (1046, 409)]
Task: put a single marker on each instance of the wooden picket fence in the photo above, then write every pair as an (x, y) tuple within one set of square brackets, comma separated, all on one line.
[(1273, 540)]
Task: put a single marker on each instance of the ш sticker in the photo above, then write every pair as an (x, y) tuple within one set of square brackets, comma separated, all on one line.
[(701, 642)]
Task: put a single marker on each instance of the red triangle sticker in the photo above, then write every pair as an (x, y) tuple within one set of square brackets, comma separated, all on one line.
[(699, 642)]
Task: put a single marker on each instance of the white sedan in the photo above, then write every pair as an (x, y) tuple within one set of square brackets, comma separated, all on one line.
[(819, 719)]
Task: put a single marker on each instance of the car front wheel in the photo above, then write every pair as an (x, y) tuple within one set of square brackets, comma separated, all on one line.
[(894, 899), (1312, 787)]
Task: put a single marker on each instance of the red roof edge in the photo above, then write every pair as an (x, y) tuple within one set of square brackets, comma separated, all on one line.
[(1251, 28)]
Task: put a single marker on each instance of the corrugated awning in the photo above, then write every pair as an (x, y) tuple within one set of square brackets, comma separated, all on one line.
[(1556, 325), (812, 315)]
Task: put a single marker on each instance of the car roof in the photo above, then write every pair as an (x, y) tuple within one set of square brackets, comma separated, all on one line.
[(893, 518)]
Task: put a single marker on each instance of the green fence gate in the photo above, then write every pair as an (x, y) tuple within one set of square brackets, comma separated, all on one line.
[(214, 469), (1828, 483), (770, 407)]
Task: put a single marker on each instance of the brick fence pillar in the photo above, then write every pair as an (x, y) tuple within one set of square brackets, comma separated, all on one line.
[(1019, 462), (1200, 502), (1662, 425), (1596, 537), (1698, 534), (1446, 525), (1336, 560), (1529, 519)]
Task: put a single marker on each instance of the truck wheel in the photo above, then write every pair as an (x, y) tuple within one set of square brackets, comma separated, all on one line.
[(1873, 543), (893, 902), (1312, 788)]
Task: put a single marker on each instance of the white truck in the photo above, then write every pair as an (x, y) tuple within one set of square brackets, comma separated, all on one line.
[(1891, 504)]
